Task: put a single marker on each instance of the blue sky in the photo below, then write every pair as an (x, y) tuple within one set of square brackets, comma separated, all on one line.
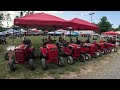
[(113, 16)]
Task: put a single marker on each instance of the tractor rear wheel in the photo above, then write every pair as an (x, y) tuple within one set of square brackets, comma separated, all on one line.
[(61, 62), (87, 57), (82, 58), (44, 64), (70, 60), (115, 49), (6, 56), (103, 52), (95, 55), (12, 65), (31, 64)]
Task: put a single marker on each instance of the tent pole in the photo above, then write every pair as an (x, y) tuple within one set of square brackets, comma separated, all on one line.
[(13, 37), (70, 34), (54, 35), (79, 34), (116, 39)]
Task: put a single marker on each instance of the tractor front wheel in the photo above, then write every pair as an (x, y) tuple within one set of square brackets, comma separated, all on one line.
[(87, 57), (31, 64), (12, 65), (95, 55), (61, 62), (115, 49), (109, 50), (100, 53), (44, 64), (105, 51), (70, 60), (82, 58)]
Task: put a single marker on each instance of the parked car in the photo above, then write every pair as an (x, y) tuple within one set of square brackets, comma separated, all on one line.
[(2, 38), (72, 34), (56, 33)]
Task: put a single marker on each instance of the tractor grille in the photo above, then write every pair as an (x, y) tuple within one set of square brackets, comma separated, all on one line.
[(53, 54), (19, 54)]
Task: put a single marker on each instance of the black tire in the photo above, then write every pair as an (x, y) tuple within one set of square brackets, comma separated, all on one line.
[(108, 50), (87, 57), (70, 60), (82, 58), (44, 64), (103, 52), (111, 49), (95, 55), (12, 65), (31, 64), (61, 62), (6, 56), (100, 53), (115, 49)]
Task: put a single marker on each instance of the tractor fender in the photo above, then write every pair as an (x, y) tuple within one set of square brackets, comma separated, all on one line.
[(43, 51)]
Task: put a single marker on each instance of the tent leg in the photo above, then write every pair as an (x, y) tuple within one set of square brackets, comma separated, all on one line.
[(13, 37), (54, 35), (70, 34), (116, 40)]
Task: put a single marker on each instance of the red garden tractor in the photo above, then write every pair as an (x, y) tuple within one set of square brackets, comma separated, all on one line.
[(49, 54), (22, 54), (101, 48), (90, 51), (73, 51), (110, 47)]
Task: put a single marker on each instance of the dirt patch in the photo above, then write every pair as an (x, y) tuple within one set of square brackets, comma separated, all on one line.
[(91, 66)]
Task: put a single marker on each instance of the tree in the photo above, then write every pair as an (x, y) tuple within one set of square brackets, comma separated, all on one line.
[(26, 13), (21, 13), (104, 24), (8, 18), (17, 17), (118, 28), (1, 20)]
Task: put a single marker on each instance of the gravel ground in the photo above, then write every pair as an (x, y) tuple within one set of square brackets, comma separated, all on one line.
[(110, 70), (106, 67)]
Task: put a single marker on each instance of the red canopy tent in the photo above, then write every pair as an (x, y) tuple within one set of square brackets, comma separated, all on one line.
[(80, 24), (110, 33), (41, 20)]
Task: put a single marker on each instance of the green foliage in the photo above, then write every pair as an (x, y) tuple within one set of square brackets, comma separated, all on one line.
[(118, 28), (104, 24)]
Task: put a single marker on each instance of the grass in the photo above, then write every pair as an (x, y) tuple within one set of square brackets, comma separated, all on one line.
[(23, 71)]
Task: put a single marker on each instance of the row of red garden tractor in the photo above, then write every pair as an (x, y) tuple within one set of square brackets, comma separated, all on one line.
[(25, 53)]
